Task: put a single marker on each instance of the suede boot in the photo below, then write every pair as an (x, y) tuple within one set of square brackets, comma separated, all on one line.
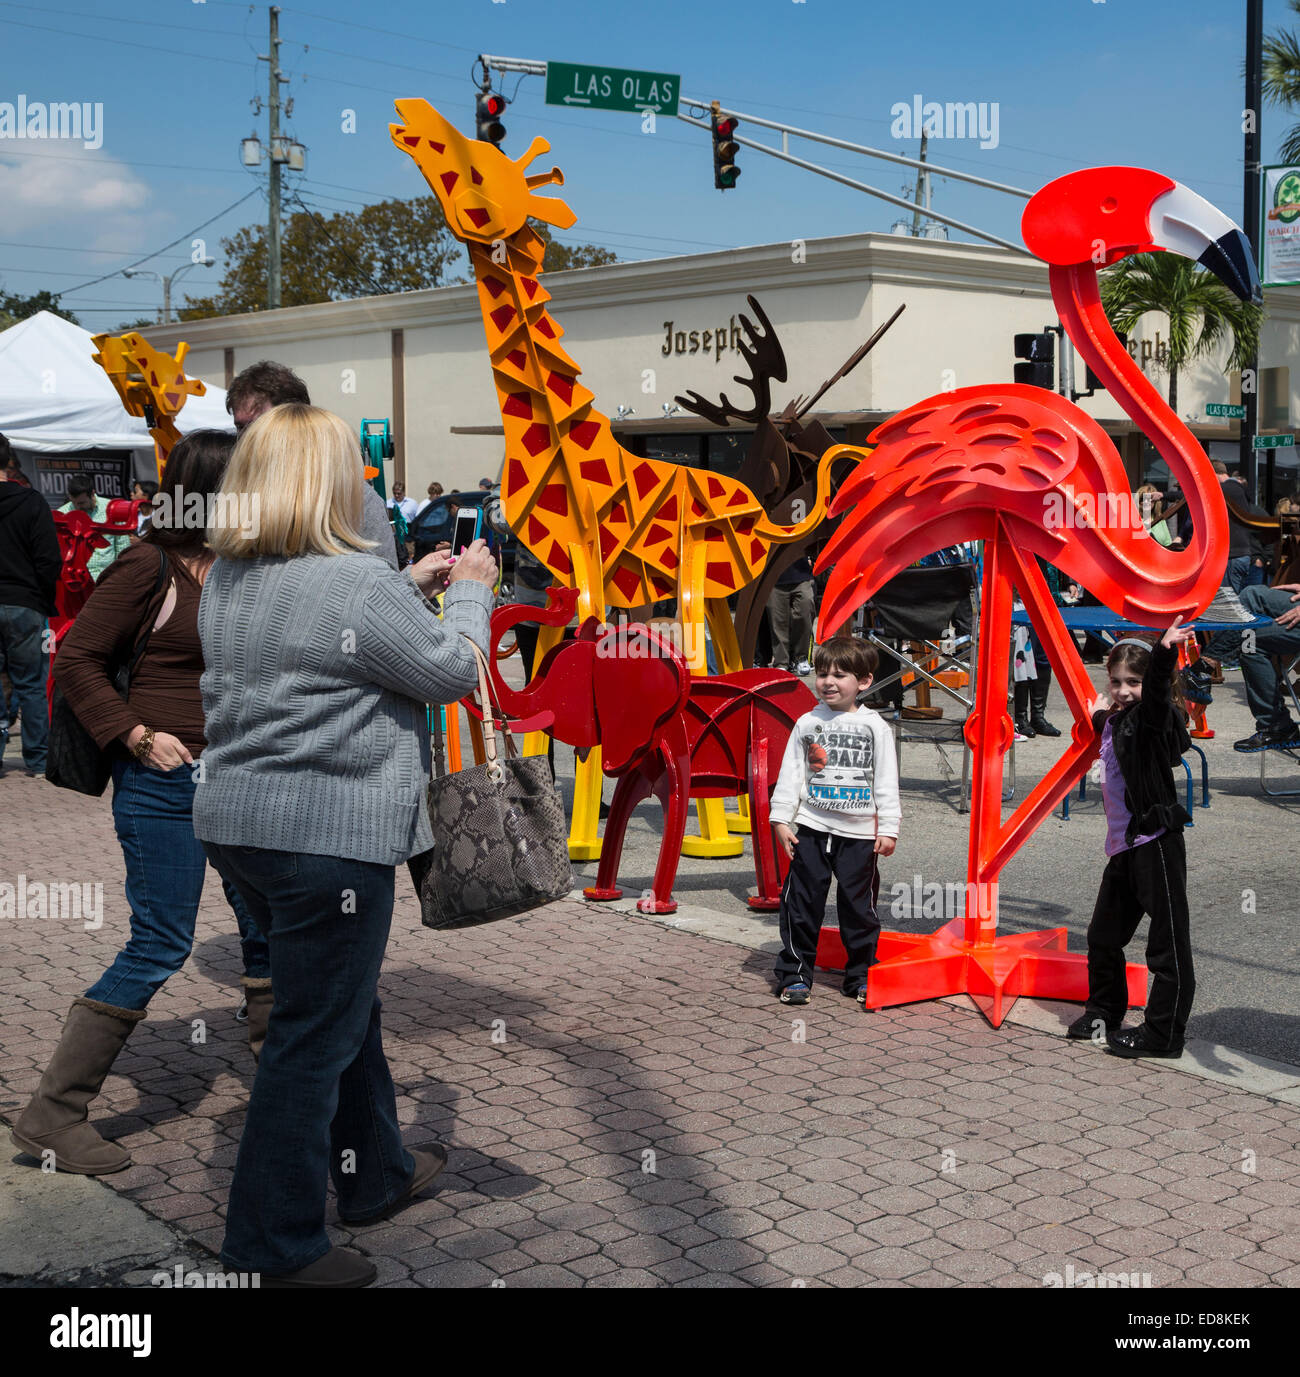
[(1038, 697), (55, 1120), (257, 996), (1023, 727)]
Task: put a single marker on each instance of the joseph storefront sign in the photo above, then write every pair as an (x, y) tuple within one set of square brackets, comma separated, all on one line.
[(715, 341)]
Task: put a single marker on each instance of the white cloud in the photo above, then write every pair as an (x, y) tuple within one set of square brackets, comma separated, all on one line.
[(59, 182)]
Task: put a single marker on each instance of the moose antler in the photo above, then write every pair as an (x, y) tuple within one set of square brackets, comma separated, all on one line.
[(766, 360), (799, 407)]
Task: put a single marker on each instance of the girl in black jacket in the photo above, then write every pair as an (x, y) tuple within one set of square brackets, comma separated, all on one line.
[(1143, 736)]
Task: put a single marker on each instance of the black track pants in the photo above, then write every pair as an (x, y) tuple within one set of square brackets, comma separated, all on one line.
[(818, 856), (1150, 879)]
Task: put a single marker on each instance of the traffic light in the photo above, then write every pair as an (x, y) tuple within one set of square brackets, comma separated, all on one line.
[(725, 149), (1040, 371), (489, 107)]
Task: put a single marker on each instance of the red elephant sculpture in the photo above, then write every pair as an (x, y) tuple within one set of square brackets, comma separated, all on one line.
[(661, 731)]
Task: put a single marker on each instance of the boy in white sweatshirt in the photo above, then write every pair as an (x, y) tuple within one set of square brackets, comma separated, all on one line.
[(839, 786)]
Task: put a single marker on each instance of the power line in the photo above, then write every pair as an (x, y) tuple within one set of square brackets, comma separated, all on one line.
[(116, 20), (105, 276), (64, 248), (388, 33), (126, 43), (362, 275)]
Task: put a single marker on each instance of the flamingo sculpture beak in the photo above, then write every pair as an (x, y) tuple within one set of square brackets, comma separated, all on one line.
[(1099, 215), (1184, 223)]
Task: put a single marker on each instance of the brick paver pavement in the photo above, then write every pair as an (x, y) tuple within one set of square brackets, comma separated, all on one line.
[(628, 1105)]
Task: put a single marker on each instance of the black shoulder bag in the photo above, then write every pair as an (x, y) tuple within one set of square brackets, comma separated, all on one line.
[(74, 760)]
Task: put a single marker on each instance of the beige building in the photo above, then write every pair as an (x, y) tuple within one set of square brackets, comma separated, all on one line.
[(643, 333)]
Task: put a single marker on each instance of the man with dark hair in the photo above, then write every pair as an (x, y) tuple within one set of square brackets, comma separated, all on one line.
[(266, 384), (29, 573), (11, 470), (261, 386), (82, 497)]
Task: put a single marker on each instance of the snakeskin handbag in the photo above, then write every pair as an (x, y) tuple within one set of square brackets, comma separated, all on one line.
[(500, 834)]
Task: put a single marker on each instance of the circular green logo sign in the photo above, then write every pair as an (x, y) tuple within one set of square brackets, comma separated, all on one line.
[(1286, 199)]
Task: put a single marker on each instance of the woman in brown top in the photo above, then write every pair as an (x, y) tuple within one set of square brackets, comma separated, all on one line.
[(151, 588)]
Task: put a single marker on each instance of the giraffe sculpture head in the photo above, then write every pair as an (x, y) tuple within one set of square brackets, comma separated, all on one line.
[(485, 195)]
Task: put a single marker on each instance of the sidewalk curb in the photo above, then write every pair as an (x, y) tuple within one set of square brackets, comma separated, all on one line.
[(61, 1230)]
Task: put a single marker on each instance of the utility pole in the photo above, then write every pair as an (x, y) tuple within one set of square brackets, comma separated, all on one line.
[(273, 199), (922, 189), (1250, 222)]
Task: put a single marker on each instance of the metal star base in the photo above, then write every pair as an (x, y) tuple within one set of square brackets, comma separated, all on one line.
[(995, 973)]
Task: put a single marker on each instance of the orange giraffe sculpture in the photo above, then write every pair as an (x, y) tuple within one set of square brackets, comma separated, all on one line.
[(150, 383), (624, 531)]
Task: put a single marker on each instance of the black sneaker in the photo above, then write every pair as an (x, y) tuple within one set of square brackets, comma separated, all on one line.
[(1084, 1028), (796, 994), (1139, 1042), (1286, 738)]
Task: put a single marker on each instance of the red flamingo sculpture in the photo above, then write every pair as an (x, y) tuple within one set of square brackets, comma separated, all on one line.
[(1028, 473)]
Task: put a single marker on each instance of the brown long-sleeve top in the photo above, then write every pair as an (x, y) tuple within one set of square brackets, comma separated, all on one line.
[(164, 691)]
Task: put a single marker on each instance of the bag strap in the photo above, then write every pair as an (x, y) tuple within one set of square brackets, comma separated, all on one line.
[(491, 713), (138, 653)]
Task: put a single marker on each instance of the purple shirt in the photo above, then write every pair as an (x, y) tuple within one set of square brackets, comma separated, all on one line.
[(1112, 797)]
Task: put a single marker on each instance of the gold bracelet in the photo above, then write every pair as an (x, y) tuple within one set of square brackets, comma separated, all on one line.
[(142, 747)]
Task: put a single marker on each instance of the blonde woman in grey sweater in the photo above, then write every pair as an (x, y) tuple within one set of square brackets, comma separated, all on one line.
[(320, 658)]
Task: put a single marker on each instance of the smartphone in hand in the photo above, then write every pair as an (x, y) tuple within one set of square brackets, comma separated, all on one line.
[(468, 528)]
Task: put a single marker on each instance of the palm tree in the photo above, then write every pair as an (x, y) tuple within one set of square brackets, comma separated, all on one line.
[(1282, 81), (1202, 312)]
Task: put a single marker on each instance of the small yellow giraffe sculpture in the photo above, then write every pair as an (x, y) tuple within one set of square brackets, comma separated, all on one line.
[(625, 531), (150, 383)]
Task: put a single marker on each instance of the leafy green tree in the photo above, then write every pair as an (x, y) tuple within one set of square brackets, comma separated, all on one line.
[(1282, 81), (14, 308), (392, 246), (1202, 312)]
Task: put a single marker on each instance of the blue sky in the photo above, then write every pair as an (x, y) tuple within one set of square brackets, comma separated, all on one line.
[(1155, 83)]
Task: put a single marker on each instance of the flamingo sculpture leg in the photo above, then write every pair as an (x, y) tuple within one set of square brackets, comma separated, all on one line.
[(1028, 473)]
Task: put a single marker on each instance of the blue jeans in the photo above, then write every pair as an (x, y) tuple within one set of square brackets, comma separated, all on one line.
[(1243, 572), (1264, 690), (153, 811), (21, 653), (323, 1103)]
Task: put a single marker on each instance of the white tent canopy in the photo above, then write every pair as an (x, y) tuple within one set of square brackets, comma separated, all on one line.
[(54, 399)]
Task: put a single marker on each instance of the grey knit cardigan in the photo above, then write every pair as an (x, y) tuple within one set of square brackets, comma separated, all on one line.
[(317, 669)]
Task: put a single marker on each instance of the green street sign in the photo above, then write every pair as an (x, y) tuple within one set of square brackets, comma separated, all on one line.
[(611, 88), (1228, 409), (1273, 441)]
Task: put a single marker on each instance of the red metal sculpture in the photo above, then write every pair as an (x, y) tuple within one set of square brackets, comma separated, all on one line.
[(79, 537), (661, 731), (1028, 473)]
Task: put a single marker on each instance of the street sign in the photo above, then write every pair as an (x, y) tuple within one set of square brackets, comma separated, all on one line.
[(1273, 441), (1228, 409), (611, 88)]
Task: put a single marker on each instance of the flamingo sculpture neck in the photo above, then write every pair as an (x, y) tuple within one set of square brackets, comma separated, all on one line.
[(1078, 302)]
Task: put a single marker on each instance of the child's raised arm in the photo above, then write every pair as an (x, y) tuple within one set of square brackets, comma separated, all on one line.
[(1177, 635), (1157, 682)]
